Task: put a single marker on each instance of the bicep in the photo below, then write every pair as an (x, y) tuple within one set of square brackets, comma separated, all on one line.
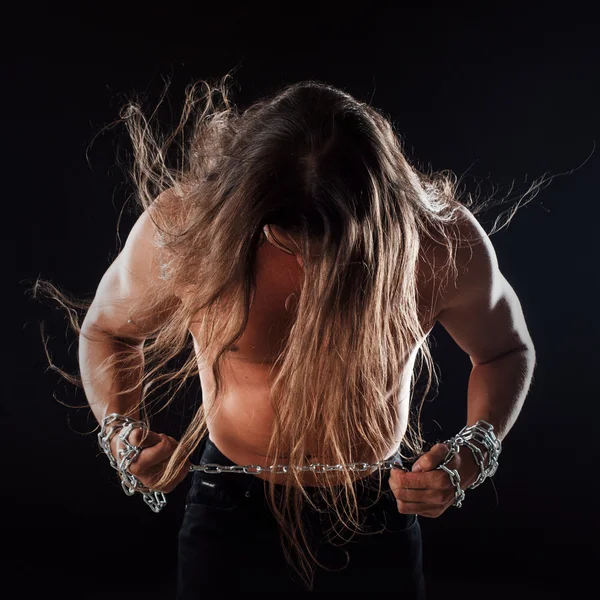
[(484, 316), (128, 279)]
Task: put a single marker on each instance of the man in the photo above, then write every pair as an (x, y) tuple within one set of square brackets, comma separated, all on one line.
[(319, 335)]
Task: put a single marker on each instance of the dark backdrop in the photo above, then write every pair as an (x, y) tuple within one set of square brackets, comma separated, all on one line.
[(499, 96)]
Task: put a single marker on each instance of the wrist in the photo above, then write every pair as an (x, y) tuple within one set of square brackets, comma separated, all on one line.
[(468, 469)]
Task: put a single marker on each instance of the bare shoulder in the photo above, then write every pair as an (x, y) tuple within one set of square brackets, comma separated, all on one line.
[(480, 309), (477, 264), (129, 278)]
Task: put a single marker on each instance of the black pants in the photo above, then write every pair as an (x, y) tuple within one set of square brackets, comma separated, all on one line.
[(229, 543)]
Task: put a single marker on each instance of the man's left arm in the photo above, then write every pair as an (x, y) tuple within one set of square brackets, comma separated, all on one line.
[(483, 315)]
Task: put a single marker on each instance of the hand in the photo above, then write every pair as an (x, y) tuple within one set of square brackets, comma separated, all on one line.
[(428, 491), (157, 448)]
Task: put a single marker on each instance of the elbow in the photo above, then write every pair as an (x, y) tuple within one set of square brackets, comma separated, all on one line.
[(526, 349), (91, 330)]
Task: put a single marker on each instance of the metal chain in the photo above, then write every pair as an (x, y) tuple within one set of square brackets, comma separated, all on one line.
[(481, 432), (130, 483), (214, 468)]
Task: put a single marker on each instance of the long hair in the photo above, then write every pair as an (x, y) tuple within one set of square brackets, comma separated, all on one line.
[(331, 171)]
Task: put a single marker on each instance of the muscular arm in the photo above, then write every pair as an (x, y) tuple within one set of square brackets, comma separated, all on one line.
[(484, 317), (106, 331)]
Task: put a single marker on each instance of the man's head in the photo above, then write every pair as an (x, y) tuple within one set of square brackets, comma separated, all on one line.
[(314, 161)]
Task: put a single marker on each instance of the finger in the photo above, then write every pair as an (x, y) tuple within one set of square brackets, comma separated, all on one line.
[(187, 464), (156, 471), (136, 437), (396, 480), (185, 468), (152, 455), (431, 497), (432, 459), (143, 438), (172, 439), (413, 489), (410, 508), (400, 480)]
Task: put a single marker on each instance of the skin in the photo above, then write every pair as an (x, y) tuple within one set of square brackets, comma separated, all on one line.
[(157, 448), (427, 491), (481, 313), (281, 240)]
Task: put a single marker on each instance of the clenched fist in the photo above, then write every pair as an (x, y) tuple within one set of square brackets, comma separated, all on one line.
[(157, 448), (428, 491)]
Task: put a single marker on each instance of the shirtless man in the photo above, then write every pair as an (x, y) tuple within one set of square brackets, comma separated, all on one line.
[(482, 314), (480, 311)]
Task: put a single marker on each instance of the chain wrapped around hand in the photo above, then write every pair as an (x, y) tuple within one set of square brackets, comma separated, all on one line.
[(110, 425), (483, 433)]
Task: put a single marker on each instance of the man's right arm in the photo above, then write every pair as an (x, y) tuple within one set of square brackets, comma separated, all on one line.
[(106, 332)]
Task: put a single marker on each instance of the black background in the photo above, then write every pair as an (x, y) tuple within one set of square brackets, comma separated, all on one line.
[(498, 95)]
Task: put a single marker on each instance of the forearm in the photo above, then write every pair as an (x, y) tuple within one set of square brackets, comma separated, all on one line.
[(496, 393), (497, 390), (111, 371)]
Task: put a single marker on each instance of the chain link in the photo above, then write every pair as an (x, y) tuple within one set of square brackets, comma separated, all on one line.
[(214, 468), (482, 432), (125, 456)]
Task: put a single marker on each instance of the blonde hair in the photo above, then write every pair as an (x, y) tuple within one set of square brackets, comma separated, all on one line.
[(317, 162)]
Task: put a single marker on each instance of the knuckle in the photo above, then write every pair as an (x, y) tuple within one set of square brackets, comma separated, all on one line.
[(137, 470), (439, 497), (166, 440), (440, 480), (136, 437)]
